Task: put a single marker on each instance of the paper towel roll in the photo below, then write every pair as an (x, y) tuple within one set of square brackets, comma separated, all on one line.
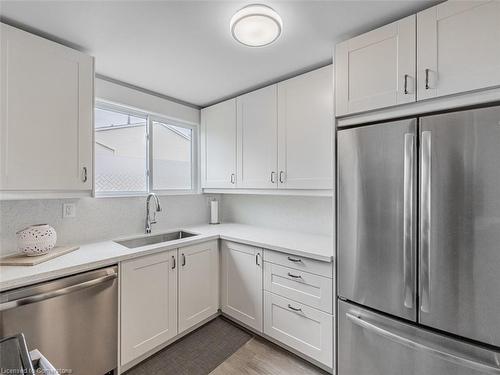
[(214, 212)]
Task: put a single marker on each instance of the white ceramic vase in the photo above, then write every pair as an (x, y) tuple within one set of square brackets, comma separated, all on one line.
[(36, 239)]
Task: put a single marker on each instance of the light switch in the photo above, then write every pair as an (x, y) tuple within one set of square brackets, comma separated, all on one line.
[(69, 210)]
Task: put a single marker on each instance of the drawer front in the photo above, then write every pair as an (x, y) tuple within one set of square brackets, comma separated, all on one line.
[(307, 330), (303, 287), (299, 263)]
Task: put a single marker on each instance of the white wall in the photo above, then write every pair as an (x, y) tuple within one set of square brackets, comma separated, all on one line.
[(304, 214), (98, 218)]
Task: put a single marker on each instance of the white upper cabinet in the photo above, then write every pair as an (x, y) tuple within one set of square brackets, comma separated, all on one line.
[(376, 69), (148, 303), (257, 139), (242, 283), (305, 126), (218, 145), (198, 283), (46, 100), (458, 47)]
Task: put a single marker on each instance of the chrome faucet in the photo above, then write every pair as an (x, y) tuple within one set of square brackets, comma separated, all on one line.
[(150, 221)]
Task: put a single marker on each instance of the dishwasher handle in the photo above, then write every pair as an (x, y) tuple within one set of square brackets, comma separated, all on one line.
[(58, 292)]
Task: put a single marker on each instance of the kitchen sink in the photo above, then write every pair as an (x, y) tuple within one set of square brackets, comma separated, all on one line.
[(159, 238)]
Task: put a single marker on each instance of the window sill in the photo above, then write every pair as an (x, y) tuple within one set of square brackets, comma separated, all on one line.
[(145, 194)]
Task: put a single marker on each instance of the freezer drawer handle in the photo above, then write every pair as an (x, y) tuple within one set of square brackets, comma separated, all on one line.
[(485, 368), (409, 144), (56, 293)]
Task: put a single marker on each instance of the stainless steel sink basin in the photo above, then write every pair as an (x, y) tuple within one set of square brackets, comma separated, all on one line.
[(159, 238)]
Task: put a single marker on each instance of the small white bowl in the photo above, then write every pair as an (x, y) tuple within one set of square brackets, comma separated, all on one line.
[(36, 239)]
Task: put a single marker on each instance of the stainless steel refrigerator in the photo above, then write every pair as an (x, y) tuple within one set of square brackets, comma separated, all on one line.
[(419, 246)]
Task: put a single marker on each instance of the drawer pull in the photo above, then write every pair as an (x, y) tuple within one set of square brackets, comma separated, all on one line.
[(294, 308), (295, 260), (294, 276)]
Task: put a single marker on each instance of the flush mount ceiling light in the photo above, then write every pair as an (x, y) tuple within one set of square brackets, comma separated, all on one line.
[(256, 25)]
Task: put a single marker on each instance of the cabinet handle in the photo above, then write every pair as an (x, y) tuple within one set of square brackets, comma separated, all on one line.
[(173, 262), (295, 260), (183, 260), (84, 174), (294, 308), (233, 178), (257, 259), (294, 276), (282, 177), (406, 84), (273, 177), (427, 87)]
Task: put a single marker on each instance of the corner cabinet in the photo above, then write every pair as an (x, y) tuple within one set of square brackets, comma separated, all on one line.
[(241, 283), (198, 283), (458, 48), (305, 131), (376, 69), (218, 145), (47, 103), (147, 319)]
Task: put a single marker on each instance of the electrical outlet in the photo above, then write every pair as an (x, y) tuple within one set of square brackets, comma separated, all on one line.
[(69, 210)]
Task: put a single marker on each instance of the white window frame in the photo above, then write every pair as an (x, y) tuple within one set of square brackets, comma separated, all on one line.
[(150, 118)]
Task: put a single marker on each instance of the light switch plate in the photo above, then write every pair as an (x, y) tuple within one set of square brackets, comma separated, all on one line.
[(69, 210)]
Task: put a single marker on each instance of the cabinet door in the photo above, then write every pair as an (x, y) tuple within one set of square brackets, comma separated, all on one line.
[(198, 283), (305, 125), (376, 69), (148, 303), (218, 145), (257, 139), (242, 283), (46, 118), (458, 47)]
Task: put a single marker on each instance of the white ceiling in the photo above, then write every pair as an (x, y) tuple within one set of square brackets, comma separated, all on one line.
[(184, 50)]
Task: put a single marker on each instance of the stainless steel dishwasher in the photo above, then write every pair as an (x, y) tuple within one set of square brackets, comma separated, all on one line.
[(72, 320)]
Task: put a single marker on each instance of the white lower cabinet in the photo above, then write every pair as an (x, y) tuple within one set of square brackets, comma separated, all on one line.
[(303, 328), (198, 283), (148, 303), (242, 283)]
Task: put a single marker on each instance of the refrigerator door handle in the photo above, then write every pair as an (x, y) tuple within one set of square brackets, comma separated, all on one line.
[(461, 361), (425, 222), (409, 172)]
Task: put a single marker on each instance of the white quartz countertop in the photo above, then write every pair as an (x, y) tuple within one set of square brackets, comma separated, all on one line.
[(101, 254)]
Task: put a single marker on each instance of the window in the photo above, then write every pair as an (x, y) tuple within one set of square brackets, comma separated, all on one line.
[(136, 153)]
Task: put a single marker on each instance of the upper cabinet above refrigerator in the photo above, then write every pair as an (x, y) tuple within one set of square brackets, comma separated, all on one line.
[(451, 48), (376, 69)]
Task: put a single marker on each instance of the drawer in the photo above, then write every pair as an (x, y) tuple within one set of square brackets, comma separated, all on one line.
[(299, 263), (300, 286), (304, 329)]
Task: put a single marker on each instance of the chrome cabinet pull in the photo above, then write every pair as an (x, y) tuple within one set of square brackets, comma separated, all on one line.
[(427, 71), (294, 308), (173, 262), (483, 367), (406, 84), (183, 260), (295, 260), (409, 144), (282, 177), (84, 174), (273, 177), (425, 221), (257, 259), (233, 178), (294, 276)]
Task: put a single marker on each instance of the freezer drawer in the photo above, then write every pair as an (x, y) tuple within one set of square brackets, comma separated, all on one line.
[(372, 344), (460, 223), (377, 216)]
